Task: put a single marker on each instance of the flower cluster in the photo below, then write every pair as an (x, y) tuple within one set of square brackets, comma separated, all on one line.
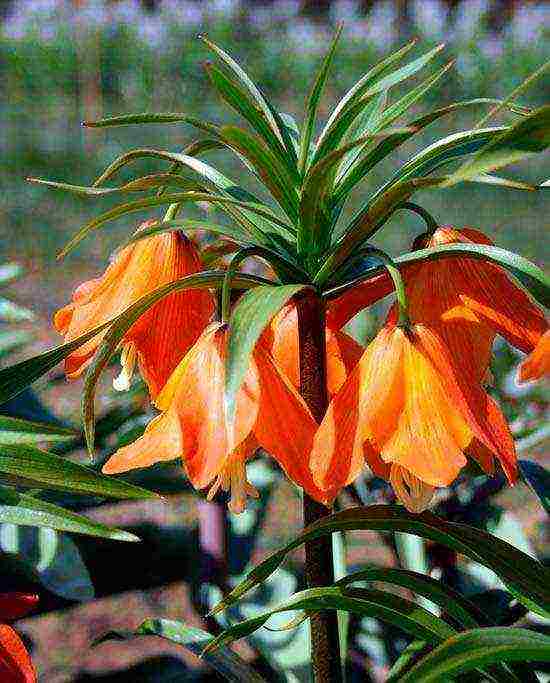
[(413, 405)]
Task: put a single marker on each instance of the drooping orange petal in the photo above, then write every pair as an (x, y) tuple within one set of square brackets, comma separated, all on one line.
[(193, 425), (431, 434), (285, 427), (15, 663), (370, 395), (478, 409), (342, 310), (15, 605), (537, 364), (166, 331)]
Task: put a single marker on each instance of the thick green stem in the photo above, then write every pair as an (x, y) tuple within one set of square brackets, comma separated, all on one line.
[(325, 645)]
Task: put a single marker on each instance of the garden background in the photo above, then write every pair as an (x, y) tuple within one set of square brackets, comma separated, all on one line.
[(62, 62)]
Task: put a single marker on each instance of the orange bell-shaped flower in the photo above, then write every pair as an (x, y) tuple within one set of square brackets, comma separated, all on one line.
[(195, 426), (15, 663), (466, 301), (159, 339), (406, 413), (281, 338)]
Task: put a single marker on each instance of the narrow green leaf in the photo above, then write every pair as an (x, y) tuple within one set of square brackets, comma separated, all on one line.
[(258, 98), (266, 167), (479, 647), (348, 179), (314, 99), (233, 232), (55, 472), (20, 508), (142, 204), (14, 430), (514, 567), (249, 318), (359, 90), (538, 479), (17, 377), (223, 660), (522, 87), (129, 119), (141, 184), (524, 138), (464, 611), (256, 117), (401, 613)]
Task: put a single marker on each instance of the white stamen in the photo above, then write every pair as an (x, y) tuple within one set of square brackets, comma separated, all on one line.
[(233, 479), (415, 494), (128, 359)]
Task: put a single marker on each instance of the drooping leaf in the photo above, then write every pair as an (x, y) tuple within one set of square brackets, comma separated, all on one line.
[(479, 647), (527, 273), (20, 508), (16, 431), (528, 136), (17, 377), (249, 318), (399, 612), (515, 568), (538, 479), (132, 119), (223, 660), (47, 470), (464, 611)]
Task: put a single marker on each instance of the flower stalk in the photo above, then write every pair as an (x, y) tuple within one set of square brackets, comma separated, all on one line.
[(325, 644)]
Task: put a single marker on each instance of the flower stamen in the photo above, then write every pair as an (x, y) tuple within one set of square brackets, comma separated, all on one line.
[(415, 494), (128, 359), (232, 478)]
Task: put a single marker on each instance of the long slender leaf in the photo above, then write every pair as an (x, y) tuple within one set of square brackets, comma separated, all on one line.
[(462, 610), (17, 377), (399, 612), (313, 101), (249, 318), (349, 178), (517, 569), (528, 136), (55, 472), (237, 98), (142, 204), (273, 118), (20, 508), (233, 232), (16, 431), (131, 119), (374, 82), (479, 647)]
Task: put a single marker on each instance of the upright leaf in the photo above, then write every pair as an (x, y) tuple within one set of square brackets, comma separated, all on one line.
[(250, 317), (313, 101)]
